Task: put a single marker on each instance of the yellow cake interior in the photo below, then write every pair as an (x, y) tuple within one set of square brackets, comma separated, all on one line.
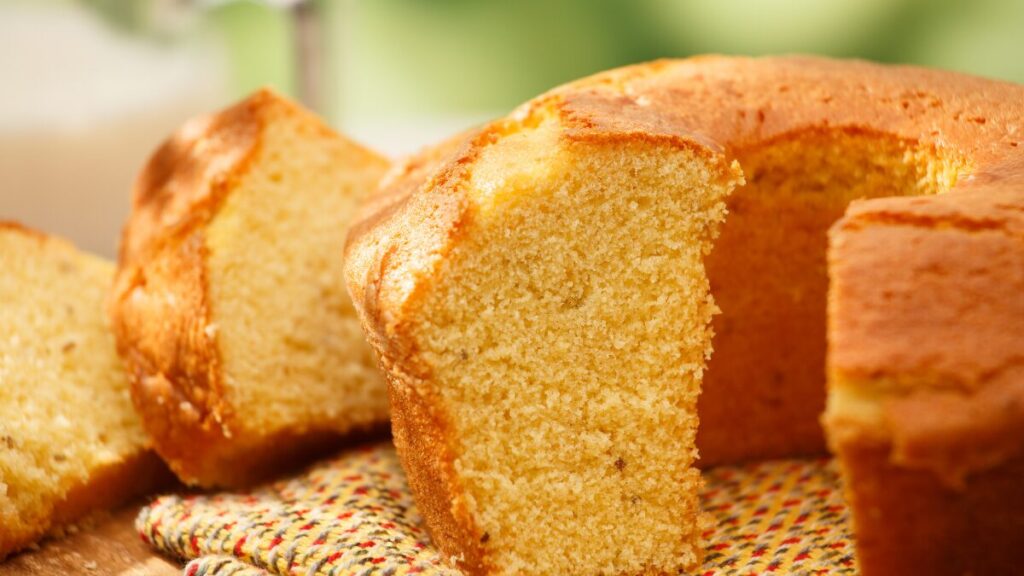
[(571, 351), (292, 352), (65, 411)]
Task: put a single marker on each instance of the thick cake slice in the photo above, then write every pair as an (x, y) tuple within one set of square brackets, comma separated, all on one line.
[(244, 350), (926, 399), (541, 305), (70, 441)]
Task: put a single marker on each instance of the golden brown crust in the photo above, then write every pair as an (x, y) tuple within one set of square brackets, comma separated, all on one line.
[(106, 488), (22, 229), (909, 522), (927, 320), (421, 436), (955, 435), (718, 105), (419, 426), (161, 307), (949, 261), (139, 473), (160, 304), (183, 183), (927, 311)]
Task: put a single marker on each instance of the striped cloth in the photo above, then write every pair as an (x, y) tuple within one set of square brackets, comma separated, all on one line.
[(353, 515)]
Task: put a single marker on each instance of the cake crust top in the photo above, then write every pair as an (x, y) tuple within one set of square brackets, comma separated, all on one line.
[(721, 105), (716, 104)]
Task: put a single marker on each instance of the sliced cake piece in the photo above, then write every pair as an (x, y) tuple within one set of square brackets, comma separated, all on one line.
[(243, 347), (70, 441), (538, 295), (926, 391)]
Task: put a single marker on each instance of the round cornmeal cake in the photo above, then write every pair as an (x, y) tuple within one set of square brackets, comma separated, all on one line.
[(545, 294)]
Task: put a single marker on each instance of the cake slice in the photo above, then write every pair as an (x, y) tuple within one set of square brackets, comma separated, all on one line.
[(926, 389), (538, 297), (70, 441), (244, 351)]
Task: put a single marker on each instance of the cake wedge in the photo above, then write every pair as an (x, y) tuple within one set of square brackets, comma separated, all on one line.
[(244, 352), (70, 441)]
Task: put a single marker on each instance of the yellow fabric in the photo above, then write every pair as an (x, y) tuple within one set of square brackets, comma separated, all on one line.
[(353, 515)]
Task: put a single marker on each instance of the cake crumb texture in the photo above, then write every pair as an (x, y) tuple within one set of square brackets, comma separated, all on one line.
[(516, 304), (244, 349), (70, 441)]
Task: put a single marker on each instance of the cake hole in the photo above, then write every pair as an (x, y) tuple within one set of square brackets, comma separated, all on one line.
[(768, 276)]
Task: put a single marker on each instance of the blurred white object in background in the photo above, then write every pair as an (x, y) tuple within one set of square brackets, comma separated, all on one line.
[(375, 88), (82, 107), (397, 137)]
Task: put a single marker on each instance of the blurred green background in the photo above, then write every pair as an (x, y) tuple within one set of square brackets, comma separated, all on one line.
[(410, 57), (91, 86), (398, 69), (400, 58)]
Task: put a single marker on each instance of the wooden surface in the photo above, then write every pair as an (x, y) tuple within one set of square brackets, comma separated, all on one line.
[(110, 547)]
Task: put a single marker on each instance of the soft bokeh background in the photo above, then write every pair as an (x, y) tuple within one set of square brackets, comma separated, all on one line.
[(91, 86)]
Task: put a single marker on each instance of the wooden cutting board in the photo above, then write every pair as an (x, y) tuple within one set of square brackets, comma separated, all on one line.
[(109, 547)]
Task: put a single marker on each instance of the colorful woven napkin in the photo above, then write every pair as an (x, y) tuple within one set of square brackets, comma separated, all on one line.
[(353, 516)]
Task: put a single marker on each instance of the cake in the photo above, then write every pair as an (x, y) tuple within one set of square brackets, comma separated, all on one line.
[(502, 425), (926, 400), (542, 292), (245, 355), (70, 442)]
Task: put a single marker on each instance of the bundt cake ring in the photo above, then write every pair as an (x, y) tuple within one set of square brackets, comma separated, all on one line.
[(544, 294)]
